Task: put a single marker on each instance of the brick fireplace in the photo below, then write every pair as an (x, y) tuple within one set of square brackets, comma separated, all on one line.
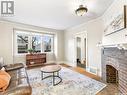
[(114, 68)]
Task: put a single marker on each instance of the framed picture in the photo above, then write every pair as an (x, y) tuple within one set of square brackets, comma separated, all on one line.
[(118, 23)]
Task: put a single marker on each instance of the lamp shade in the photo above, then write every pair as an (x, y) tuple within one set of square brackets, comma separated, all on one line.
[(81, 10)]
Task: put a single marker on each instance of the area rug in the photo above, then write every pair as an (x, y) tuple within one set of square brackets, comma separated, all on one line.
[(73, 83)]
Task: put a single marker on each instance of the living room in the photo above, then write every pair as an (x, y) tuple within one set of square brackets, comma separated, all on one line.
[(49, 29)]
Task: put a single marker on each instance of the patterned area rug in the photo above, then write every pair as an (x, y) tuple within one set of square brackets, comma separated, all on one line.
[(73, 83)]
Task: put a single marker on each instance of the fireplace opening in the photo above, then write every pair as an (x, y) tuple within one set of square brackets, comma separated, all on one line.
[(111, 74)]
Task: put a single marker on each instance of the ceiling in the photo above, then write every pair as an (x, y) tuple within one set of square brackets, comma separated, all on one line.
[(56, 14)]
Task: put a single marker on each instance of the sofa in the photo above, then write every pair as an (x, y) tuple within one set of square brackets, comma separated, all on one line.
[(19, 83)]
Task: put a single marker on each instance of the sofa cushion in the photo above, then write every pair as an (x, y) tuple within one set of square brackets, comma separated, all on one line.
[(15, 66), (17, 73), (4, 80)]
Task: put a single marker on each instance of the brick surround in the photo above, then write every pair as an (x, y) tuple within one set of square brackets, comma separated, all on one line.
[(115, 59)]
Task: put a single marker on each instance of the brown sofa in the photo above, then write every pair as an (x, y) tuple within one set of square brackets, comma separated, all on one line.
[(19, 83)]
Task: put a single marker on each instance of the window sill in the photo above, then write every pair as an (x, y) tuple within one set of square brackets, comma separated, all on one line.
[(24, 54)]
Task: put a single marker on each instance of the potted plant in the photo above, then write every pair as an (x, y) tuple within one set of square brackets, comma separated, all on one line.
[(31, 50)]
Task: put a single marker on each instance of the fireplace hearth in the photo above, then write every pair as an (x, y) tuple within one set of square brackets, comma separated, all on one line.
[(114, 68)]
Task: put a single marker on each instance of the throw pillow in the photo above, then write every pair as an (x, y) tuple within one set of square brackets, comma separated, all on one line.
[(4, 80), (1, 62), (3, 69)]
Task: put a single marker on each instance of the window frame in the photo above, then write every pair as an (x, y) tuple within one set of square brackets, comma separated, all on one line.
[(52, 44), (30, 35)]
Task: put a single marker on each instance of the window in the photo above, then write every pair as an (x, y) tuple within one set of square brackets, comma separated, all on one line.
[(36, 41), (22, 43), (47, 43)]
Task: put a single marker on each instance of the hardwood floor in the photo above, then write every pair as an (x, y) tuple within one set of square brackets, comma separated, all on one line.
[(82, 71), (111, 89)]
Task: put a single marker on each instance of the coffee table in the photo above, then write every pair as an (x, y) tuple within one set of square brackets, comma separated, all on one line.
[(54, 69)]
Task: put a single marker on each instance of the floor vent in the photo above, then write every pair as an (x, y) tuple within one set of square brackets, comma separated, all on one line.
[(92, 70)]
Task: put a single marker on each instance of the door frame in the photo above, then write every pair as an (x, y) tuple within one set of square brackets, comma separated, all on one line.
[(82, 35)]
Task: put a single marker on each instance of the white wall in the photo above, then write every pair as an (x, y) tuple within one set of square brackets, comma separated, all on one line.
[(6, 42), (94, 35), (119, 37)]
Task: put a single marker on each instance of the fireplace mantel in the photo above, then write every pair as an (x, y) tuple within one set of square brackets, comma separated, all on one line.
[(119, 46)]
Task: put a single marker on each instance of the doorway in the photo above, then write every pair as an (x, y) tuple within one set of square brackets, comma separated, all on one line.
[(81, 50)]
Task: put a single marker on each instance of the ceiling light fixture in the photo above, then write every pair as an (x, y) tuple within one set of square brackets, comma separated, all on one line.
[(81, 10)]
